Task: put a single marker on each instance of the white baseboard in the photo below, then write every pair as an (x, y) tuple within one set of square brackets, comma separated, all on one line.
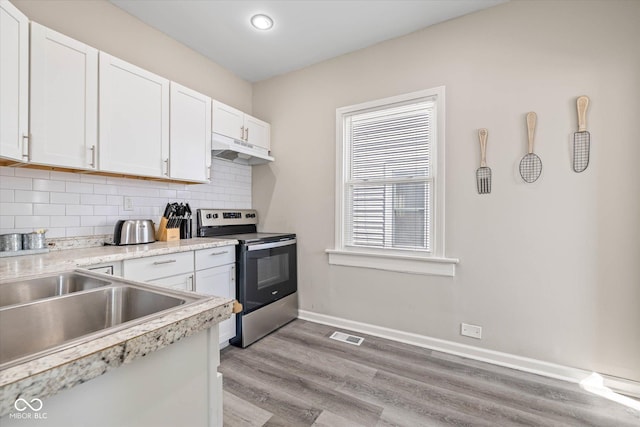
[(552, 370)]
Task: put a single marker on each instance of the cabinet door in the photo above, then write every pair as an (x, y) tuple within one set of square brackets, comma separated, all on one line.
[(258, 133), (14, 81), (227, 120), (220, 281), (190, 134), (64, 100), (134, 119)]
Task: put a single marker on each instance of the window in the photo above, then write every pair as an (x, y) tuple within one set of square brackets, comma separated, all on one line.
[(390, 185)]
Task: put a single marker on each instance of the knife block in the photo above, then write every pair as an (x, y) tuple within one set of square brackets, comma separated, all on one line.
[(164, 234)]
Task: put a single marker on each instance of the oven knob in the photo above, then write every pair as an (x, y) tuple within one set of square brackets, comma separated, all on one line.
[(209, 216), (215, 215)]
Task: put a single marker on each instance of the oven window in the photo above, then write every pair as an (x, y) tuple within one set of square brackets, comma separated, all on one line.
[(272, 270)]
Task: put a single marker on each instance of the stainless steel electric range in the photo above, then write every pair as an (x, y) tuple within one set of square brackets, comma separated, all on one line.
[(266, 273)]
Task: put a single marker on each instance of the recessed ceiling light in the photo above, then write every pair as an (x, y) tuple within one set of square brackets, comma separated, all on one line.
[(261, 22)]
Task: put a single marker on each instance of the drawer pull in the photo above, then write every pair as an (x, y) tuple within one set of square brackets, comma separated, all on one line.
[(169, 261), (220, 253)]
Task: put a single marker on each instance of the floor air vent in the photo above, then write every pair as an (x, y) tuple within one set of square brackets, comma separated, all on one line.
[(349, 339)]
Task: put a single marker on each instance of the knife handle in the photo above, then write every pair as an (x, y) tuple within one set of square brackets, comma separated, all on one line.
[(583, 104), (531, 128), (482, 135)]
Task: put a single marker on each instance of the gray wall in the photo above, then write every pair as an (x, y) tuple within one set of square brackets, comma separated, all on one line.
[(550, 270)]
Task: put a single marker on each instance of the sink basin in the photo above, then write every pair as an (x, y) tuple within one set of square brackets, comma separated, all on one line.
[(31, 330), (45, 287)]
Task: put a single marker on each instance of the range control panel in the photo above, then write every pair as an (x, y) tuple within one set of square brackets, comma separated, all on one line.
[(219, 217)]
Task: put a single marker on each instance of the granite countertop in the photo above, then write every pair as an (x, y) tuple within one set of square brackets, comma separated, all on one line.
[(47, 375), (51, 373), (56, 261)]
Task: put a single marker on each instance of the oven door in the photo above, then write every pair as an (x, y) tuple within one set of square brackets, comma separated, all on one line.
[(268, 272)]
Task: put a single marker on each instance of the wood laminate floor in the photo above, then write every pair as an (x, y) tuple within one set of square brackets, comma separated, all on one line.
[(297, 376)]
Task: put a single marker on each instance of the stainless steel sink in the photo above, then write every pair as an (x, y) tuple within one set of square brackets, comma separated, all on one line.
[(44, 326), (45, 287)]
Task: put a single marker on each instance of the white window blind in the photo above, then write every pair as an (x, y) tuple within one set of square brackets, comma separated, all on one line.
[(389, 180)]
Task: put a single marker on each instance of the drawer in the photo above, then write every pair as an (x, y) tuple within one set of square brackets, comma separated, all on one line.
[(182, 282), (155, 267), (214, 257)]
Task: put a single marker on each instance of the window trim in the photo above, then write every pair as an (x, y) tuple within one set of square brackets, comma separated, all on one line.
[(389, 259)]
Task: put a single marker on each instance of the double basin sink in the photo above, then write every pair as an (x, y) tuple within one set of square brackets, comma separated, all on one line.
[(47, 314)]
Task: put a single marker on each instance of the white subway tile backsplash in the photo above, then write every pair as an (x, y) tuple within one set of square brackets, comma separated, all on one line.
[(7, 171), (16, 209), (79, 187), (107, 229), (7, 195), (65, 221), (90, 221), (65, 176), (25, 221), (115, 200), (48, 185), (32, 173), (65, 198), (6, 223), (105, 210), (79, 210), (49, 209), (93, 199), (105, 189), (71, 205), (25, 196), (56, 232), (79, 231), (94, 179), (16, 183)]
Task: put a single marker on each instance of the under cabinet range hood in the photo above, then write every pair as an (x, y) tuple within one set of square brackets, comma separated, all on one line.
[(237, 151)]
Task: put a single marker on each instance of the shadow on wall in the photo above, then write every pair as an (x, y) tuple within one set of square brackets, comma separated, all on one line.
[(266, 177)]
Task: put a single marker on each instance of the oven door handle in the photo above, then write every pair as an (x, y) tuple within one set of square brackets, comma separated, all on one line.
[(260, 246)]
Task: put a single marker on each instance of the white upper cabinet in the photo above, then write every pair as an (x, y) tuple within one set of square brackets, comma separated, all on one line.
[(14, 82), (235, 124), (134, 119), (190, 134), (257, 132), (227, 121), (64, 100)]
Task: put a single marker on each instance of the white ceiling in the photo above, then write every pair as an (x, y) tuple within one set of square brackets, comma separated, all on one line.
[(305, 31)]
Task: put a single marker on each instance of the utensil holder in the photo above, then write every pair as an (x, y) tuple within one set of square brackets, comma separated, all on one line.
[(33, 241), (164, 234)]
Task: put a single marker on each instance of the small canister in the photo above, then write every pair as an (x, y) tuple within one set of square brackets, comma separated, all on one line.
[(11, 242), (33, 241)]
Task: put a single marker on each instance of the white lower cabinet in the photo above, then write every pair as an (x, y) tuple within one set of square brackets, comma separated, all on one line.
[(173, 271), (216, 275), (112, 268)]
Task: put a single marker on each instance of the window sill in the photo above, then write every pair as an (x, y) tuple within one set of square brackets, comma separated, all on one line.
[(399, 263)]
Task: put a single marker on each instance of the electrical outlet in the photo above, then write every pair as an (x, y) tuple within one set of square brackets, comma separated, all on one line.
[(473, 331), (128, 204)]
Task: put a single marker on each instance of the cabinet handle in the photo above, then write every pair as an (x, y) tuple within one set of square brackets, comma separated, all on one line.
[(25, 147), (169, 261), (166, 162), (242, 133), (247, 137), (219, 253), (93, 157), (190, 283)]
